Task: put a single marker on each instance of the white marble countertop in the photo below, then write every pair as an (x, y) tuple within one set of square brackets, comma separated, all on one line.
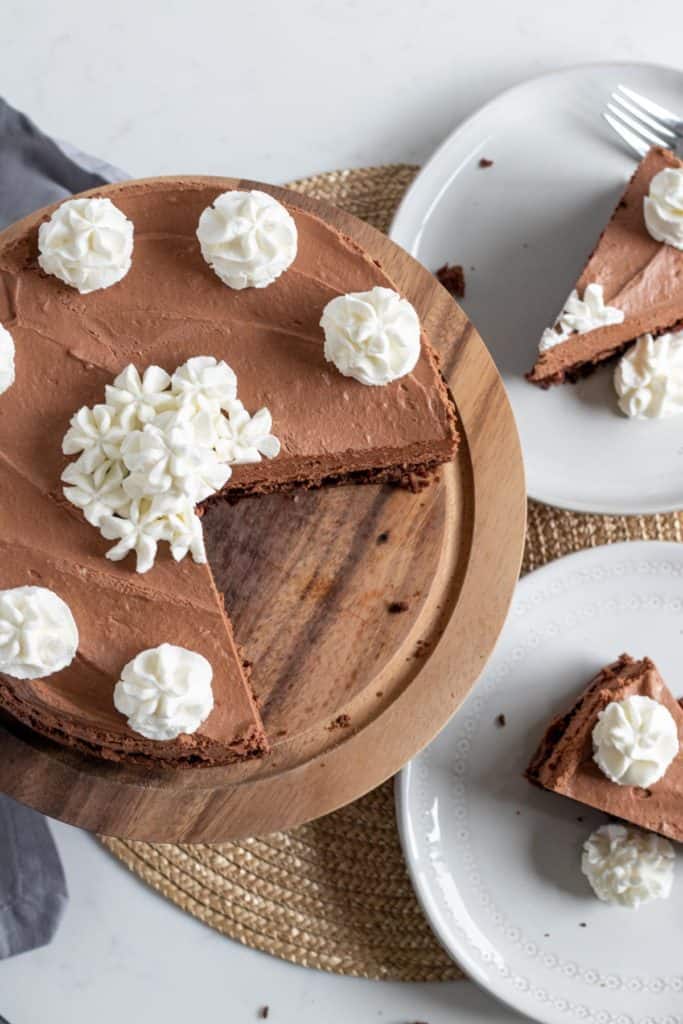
[(272, 91)]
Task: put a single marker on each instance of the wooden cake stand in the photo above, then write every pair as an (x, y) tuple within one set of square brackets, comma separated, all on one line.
[(368, 613)]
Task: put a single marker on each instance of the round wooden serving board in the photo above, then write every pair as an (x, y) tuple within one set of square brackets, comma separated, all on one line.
[(368, 613)]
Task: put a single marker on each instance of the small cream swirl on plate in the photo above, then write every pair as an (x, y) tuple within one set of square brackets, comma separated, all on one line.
[(579, 316), (165, 691), (372, 336), (6, 359), (663, 207), (38, 633), (247, 238), (627, 866), (634, 741), (87, 243), (648, 379)]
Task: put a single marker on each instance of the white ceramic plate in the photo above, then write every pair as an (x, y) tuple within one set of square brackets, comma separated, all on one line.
[(496, 862), (523, 229)]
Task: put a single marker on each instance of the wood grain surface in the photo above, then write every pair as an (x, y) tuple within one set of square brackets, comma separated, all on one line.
[(368, 613)]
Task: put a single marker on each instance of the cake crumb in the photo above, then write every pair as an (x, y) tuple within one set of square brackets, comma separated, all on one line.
[(453, 279), (340, 722), (501, 721), (380, 693), (485, 162), (383, 537), (264, 1013), (582, 924), (396, 607)]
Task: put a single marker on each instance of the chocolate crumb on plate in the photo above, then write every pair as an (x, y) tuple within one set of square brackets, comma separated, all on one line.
[(453, 279), (501, 721), (264, 1012), (485, 162), (340, 722)]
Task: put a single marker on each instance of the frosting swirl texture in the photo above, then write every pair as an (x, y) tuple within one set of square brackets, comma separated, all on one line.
[(663, 207), (6, 359), (627, 866), (372, 336), (634, 741), (247, 238), (649, 377), (165, 691), (580, 316), (86, 243), (38, 634)]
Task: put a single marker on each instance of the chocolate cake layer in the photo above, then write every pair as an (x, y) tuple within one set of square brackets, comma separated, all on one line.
[(169, 307), (563, 762), (639, 275)]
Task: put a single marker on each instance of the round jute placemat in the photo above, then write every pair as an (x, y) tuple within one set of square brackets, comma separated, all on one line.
[(334, 894)]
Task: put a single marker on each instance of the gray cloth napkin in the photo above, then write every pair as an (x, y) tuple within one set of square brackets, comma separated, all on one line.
[(34, 171)]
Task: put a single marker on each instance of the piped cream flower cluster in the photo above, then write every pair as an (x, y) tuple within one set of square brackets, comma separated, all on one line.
[(158, 446)]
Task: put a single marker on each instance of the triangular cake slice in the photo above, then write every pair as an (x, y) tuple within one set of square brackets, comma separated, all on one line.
[(564, 761), (640, 278)]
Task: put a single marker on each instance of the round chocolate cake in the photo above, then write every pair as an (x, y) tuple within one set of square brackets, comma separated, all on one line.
[(301, 421)]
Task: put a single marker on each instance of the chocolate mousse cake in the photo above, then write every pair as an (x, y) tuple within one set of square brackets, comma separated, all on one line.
[(635, 280), (564, 762), (169, 308)]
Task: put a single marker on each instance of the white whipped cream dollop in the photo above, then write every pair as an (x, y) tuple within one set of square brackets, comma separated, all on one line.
[(38, 634), (663, 207), (87, 244), (6, 359), (247, 238), (579, 316), (649, 377), (165, 691), (627, 866), (156, 447), (634, 741), (372, 336)]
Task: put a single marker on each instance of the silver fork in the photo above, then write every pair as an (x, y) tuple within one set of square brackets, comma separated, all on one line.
[(641, 123)]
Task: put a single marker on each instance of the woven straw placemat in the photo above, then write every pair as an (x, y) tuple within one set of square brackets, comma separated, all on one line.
[(334, 894)]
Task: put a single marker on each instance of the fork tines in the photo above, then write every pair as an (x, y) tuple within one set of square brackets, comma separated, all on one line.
[(641, 122)]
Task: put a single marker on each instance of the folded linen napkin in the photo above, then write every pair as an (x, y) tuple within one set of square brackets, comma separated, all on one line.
[(34, 170)]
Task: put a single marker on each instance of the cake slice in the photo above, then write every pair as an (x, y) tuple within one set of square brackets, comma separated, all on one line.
[(564, 761), (631, 285)]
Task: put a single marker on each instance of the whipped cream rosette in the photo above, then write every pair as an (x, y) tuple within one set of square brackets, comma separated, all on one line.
[(371, 336), (626, 866), (648, 379), (158, 446), (6, 359), (663, 207), (634, 741), (87, 243), (247, 238), (38, 634), (580, 315), (165, 691)]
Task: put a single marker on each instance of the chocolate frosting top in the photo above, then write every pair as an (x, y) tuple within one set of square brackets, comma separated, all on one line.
[(169, 307)]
